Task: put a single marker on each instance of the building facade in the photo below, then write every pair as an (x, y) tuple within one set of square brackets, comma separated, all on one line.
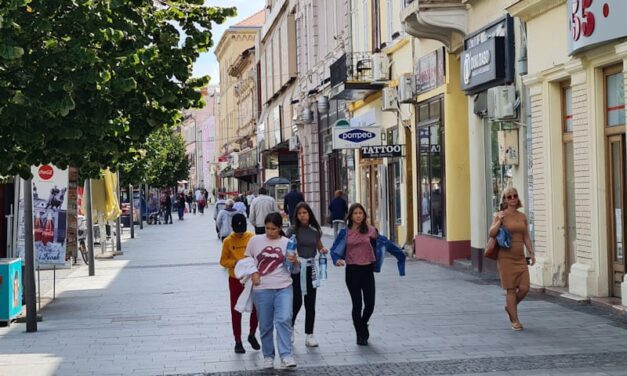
[(234, 42), (576, 83)]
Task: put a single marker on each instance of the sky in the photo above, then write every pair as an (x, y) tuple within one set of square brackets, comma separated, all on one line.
[(207, 63)]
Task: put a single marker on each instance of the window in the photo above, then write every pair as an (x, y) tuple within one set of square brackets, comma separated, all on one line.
[(430, 146), (615, 98), (567, 109)]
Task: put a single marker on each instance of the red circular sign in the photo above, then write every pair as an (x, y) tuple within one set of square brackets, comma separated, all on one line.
[(45, 172)]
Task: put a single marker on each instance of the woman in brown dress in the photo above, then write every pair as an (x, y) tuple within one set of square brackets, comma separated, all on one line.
[(512, 263)]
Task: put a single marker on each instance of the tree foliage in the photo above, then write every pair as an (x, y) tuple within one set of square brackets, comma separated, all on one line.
[(161, 162), (85, 82)]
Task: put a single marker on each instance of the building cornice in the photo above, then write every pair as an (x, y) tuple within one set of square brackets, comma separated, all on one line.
[(530, 9)]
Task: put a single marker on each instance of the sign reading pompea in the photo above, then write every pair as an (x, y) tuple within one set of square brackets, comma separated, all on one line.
[(355, 137)]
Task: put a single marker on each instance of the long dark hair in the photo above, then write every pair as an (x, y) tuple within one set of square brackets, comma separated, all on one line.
[(313, 222), (276, 219), (363, 227)]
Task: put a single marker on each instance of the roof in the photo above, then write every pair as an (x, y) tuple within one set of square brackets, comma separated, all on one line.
[(256, 20)]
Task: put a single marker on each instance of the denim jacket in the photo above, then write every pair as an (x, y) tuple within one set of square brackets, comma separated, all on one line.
[(383, 244)]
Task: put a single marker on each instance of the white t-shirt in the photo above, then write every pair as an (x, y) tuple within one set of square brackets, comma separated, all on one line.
[(269, 254)]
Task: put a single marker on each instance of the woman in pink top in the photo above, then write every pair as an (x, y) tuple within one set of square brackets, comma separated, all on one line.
[(359, 263)]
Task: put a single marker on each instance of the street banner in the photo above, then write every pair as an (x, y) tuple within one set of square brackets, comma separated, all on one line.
[(50, 185)]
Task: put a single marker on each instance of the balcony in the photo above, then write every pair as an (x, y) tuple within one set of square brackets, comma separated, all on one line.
[(441, 20), (353, 76)]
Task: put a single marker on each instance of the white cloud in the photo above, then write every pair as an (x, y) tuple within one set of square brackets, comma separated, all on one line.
[(207, 63)]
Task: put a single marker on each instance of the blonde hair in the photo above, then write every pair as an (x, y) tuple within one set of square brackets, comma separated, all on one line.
[(508, 191)]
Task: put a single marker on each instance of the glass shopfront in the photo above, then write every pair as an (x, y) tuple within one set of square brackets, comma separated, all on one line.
[(430, 153)]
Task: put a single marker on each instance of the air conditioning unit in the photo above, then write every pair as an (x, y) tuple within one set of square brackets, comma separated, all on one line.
[(380, 67), (293, 144), (502, 102), (389, 99), (406, 89)]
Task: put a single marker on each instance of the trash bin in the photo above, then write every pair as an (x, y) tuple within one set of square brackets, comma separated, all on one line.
[(10, 289)]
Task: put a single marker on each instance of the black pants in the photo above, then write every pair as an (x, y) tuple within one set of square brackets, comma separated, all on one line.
[(310, 300), (360, 283), (167, 214), (260, 230)]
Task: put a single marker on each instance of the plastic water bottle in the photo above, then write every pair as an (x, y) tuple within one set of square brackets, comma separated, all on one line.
[(290, 249), (322, 264)]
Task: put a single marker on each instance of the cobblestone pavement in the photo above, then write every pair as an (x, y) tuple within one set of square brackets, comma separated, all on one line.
[(162, 309)]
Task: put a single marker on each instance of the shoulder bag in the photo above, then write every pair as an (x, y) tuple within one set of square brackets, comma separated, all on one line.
[(491, 249)]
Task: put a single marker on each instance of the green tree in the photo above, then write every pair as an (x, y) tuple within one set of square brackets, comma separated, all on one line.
[(84, 83), (161, 162)]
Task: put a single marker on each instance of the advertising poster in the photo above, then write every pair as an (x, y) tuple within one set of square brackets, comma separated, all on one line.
[(50, 186)]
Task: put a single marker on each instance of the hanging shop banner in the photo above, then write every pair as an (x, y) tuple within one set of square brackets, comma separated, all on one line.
[(382, 151), (430, 71), (356, 137), (595, 22), (50, 185)]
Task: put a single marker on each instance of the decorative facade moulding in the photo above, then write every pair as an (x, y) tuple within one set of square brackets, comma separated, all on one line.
[(529, 9), (444, 21)]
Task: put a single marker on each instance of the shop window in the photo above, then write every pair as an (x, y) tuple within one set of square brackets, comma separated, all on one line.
[(567, 108), (615, 99), (430, 146)]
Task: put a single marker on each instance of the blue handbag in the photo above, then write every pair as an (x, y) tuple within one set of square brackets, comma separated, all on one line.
[(503, 238)]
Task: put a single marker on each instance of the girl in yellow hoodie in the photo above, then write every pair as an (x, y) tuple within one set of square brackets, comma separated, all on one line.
[(233, 249)]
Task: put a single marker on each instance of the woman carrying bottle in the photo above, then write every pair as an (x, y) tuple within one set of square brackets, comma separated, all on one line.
[(309, 241), (359, 259), (272, 290)]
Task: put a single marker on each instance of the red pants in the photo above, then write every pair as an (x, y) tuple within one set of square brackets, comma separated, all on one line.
[(236, 288)]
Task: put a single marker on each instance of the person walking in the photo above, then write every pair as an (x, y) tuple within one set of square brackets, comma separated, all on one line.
[(308, 243), (272, 290), (359, 261), (291, 200), (239, 205), (249, 200), (261, 206), (189, 198), (202, 202), (220, 203), (233, 249), (338, 208), (224, 220), (167, 203), (180, 202), (513, 269)]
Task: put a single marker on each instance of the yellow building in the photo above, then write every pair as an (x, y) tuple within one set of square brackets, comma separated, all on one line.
[(576, 79), (235, 40)]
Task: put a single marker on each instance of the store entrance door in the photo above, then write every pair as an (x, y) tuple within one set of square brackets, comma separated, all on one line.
[(370, 192), (616, 173)]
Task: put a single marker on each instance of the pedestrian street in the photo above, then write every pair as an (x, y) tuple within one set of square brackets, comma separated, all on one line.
[(162, 309)]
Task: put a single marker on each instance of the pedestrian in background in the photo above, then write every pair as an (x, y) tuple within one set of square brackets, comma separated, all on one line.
[(272, 290), (513, 268), (291, 200), (180, 202), (167, 205), (233, 249), (220, 203), (261, 206), (239, 205), (249, 200), (338, 208), (189, 198), (359, 259), (308, 242), (224, 220)]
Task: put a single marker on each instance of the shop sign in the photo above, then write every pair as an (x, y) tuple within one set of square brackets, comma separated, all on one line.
[(356, 137), (488, 57), (382, 151), (430, 71), (594, 22)]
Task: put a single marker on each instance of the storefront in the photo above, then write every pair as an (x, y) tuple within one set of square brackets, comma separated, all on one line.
[(495, 127), (441, 162), (578, 123)]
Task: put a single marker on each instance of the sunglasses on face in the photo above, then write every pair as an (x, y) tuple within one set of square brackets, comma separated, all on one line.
[(510, 197)]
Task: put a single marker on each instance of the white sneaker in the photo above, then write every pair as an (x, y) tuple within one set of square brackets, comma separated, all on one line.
[(288, 362), (310, 341), (268, 363)]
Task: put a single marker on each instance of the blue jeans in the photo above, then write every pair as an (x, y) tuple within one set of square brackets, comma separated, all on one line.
[(274, 308)]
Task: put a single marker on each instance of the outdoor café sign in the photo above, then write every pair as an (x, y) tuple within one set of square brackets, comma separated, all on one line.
[(593, 22)]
